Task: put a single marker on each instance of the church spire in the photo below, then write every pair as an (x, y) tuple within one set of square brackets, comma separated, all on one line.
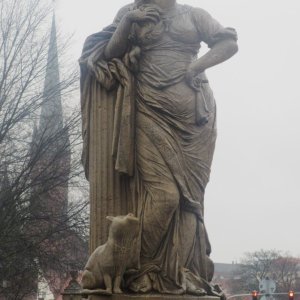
[(51, 172), (51, 118), (51, 134)]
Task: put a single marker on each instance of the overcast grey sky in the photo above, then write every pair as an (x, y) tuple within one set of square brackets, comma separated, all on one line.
[(253, 198)]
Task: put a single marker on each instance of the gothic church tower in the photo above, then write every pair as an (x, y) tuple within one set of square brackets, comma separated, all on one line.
[(51, 142)]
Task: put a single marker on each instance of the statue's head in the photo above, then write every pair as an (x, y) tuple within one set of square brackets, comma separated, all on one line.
[(157, 2), (142, 2)]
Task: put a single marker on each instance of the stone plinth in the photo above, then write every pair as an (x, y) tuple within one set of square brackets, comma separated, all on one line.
[(151, 297)]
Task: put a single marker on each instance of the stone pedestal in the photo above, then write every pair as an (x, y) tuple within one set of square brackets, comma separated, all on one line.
[(151, 297)]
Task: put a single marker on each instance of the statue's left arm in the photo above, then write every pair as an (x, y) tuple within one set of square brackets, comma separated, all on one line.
[(221, 41)]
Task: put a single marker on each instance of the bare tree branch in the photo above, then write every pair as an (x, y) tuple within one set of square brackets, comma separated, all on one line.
[(41, 233)]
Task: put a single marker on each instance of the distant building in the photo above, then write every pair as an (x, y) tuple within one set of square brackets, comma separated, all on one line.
[(51, 140)]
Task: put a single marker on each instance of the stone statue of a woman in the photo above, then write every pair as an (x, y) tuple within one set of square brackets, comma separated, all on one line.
[(149, 129)]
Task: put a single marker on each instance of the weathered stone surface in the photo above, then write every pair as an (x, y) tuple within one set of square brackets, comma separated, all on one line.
[(105, 268), (149, 131)]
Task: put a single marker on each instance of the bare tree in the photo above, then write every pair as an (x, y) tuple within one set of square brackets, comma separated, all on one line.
[(41, 234), (258, 264), (273, 264), (286, 273)]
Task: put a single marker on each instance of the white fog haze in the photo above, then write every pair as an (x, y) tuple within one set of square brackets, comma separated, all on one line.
[(253, 198)]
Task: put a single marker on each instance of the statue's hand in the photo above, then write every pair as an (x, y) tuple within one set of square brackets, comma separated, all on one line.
[(143, 14), (193, 77), (189, 76)]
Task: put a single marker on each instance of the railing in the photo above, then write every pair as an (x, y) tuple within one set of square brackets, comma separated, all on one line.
[(238, 295), (259, 294)]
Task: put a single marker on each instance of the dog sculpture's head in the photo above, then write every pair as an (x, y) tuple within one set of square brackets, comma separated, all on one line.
[(124, 227)]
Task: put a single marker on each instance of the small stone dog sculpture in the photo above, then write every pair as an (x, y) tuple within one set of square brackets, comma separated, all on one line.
[(105, 268)]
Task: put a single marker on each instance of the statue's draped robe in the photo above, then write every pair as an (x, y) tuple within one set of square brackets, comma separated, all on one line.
[(105, 136), (147, 149)]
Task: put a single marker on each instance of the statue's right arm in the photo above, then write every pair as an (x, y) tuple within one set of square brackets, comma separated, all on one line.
[(118, 44)]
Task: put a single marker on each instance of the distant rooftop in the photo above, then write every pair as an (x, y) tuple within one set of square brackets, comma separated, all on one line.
[(226, 269)]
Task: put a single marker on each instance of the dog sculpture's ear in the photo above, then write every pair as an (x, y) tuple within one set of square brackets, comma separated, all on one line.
[(110, 218)]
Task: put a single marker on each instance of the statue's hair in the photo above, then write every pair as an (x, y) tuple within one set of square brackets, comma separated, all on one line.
[(141, 2)]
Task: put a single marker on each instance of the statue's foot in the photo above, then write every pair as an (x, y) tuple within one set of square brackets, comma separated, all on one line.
[(193, 289), (196, 291), (141, 285), (117, 291)]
